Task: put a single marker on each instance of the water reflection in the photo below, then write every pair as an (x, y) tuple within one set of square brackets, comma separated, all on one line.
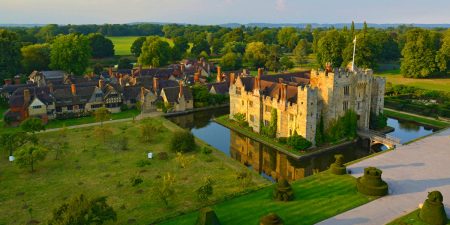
[(271, 163)]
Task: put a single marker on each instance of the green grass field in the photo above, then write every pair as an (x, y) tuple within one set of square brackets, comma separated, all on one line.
[(123, 44), (410, 219), (395, 77), (93, 168), (317, 197)]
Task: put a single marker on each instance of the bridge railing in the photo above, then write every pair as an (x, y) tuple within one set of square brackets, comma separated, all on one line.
[(387, 137)]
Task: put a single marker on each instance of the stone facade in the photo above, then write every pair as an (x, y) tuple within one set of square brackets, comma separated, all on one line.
[(301, 99)]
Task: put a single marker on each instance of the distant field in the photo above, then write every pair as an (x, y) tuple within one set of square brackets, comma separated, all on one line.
[(394, 76), (122, 45)]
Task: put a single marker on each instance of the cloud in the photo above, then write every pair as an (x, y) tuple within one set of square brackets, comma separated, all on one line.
[(280, 5)]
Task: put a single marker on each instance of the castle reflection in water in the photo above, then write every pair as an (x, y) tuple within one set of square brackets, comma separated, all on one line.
[(256, 156)]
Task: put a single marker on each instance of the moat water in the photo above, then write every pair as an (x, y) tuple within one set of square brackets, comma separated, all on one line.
[(273, 164)]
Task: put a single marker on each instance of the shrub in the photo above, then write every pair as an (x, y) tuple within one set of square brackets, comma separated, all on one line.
[(205, 190), (162, 156), (205, 150), (183, 160), (240, 118), (149, 129), (283, 191), (182, 141), (282, 140), (136, 180), (298, 142), (124, 107), (371, 183), (271, 219), (432, 211), (338, 167)]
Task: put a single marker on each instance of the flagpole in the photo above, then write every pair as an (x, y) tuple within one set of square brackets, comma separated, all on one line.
[(354, 50)]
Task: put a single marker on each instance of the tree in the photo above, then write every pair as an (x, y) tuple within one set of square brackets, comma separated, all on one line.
[(101, 47), (32, 125), (136, 47), (418, 54), (286, 63), (124, 63), (13, 140), (103, 132), (102, 114), (206, 190), (149, 130), (97, 68), (443, 55), (70, 53), (298, 142), (273, 59), (231, 61), (301, 52), (9, 54), (235, 47), (35, 57), (182, 141), (28, 155), (255, 54), (165, 191), (365, 54), (200, 46), (288, 38), (180, 46), (329, 49), (82, 210), (155, 52), (60, 145)]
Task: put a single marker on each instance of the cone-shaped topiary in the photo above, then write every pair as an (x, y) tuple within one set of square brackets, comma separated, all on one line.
[(371, 183), (283, 191), (433, 211), (338, 167), (207, 216), (271, 219)]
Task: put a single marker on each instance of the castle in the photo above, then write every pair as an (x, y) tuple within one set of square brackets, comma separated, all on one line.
[(301, 99)]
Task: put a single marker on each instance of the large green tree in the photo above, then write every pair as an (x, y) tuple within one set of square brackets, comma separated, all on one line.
[(418, 54), (28, 155), (35, 57), (443, 55), (9, 54), (365, 54), (288, 38), (136, 47), (301, 52), (70, 53), (155, 52), (255, 54), (180, 46), (231, 61), (273, 58), (101, 46), (329, 48)]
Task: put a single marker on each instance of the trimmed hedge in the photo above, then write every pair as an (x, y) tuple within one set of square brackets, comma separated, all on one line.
[(207, 216), (283, 191), (371, 183), (433, 211), (338, 167), (271, 219)]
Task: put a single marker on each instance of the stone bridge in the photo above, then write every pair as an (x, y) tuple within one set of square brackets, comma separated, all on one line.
[(376, 137)]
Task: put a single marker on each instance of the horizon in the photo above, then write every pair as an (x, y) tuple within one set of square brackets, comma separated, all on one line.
[(217, 12)]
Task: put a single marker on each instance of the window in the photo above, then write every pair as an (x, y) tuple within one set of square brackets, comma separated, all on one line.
[(358, 105), (291, 117), (242, 102), (252, 118), (266, 123), (345, 106), (37, 106), (58, 109), (346, 90), (268, 108), (250, 103), (238, 91)]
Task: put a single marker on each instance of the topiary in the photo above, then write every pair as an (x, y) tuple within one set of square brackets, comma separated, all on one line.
[(271, 219), (371, 183), (432, 211), (207, 216), (338, 167), (283, 191)]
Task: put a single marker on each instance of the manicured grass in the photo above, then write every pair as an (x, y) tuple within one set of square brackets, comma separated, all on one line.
[(394, 76), (123, 44), (416, 118), (317, 198), (410, 219), (93, 168)]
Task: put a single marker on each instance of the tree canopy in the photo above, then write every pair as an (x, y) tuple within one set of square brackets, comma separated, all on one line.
[(101, 47), (418, 54), (70, 53), (35, 57), (255, 54), (9, 54), (155, 52)]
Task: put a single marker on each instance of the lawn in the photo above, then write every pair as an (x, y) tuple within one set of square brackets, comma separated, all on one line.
[(317, 197), (410, 219), (90, 166), (419, 119), (395, 77), (123, 44)]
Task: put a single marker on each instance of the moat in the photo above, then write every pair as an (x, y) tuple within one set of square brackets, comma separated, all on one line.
[(273, 164)]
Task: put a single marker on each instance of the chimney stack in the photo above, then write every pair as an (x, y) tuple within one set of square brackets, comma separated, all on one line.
[(73, 89), (196, 77), (100, 84), (8, 81), (256, 85), (182, 68), (155, 84), (110, 72), (142, 93), (328, 67), (121, 80), (219, 74), (231, 78), (26, 96), (17, 80), (280, 80), (140, 69), (181, 88), (260, 72), (50, 87), (284, 89)]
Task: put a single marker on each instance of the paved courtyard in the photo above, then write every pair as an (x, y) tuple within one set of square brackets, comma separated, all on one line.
[(411, 171)]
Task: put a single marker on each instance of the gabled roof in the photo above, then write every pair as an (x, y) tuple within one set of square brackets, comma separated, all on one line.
[(220, 88), (172, 93)]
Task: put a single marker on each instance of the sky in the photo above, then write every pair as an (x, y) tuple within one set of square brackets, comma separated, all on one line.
[(223, 11)]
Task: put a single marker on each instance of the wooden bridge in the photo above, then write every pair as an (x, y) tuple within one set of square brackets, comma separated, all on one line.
[(376, 137)]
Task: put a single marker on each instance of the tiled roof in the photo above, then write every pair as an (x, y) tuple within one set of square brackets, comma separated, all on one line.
[(172, 93)]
